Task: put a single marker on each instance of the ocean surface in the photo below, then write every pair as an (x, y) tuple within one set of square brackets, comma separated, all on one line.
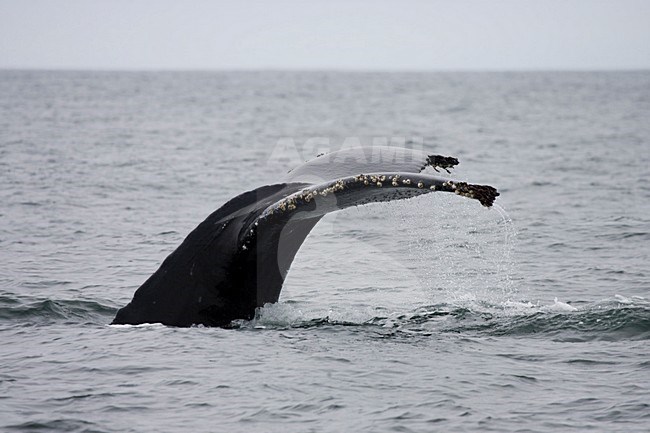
[(430, 314)]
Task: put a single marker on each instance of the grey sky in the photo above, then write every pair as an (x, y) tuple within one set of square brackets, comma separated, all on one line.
[(292, 34)]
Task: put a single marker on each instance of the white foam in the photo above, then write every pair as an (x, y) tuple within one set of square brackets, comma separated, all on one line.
[(141, 325), (623, 300), (561, 306)]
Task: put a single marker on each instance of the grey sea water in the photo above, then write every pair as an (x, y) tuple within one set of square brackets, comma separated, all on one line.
[(432, 314)]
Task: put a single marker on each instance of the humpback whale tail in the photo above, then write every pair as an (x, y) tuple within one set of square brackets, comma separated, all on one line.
[(237, 259)]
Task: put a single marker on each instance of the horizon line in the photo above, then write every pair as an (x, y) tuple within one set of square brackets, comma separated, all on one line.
[(329, 70)]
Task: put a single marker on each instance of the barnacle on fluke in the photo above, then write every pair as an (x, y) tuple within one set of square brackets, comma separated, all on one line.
[(236, 260)]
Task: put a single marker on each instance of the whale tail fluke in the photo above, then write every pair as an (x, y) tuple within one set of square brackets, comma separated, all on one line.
[(237, 259)]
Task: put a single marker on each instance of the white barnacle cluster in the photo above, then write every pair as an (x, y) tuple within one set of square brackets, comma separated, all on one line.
[(449, 184), (465, 190), (288, 203), (368, 180), (362, 178), (339, 185), (379, 180), (305, 195), (308, 196)]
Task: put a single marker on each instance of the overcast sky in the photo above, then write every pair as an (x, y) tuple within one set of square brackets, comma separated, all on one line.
[(332, 34)]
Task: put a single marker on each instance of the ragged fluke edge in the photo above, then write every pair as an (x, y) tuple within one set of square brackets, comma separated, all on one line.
[(444, 162)]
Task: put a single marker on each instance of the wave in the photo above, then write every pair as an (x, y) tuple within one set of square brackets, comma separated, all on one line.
[(43, 311), (618, 318), (609, 320), (59, 424), (617, 323)]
